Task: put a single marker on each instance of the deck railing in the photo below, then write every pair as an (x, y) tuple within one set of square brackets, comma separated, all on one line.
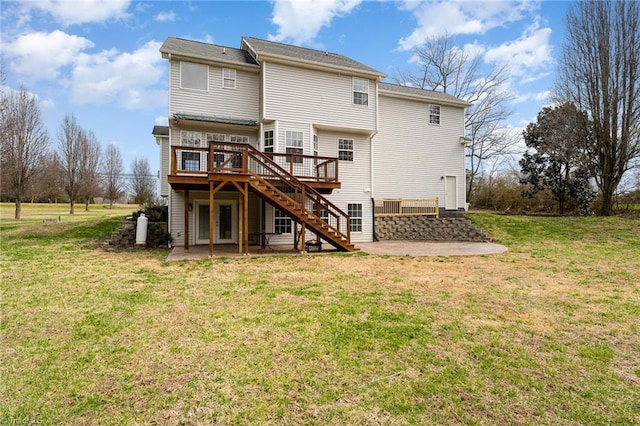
[(407, 207), (226, 157)]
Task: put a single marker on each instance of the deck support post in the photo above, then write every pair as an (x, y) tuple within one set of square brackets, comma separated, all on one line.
[(245, 219), (186, 219), (212, 210)]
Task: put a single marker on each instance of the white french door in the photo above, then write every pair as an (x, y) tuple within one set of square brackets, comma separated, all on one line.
[(225, 222)]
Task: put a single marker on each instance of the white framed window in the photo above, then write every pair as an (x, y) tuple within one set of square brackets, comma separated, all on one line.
[(215, 137), (323, 213), (239, 139), (268, 141), (355, 213), (194, 76), (228, 78), (360, 91), (345, 149), (281, 222), (315, 145), (293, 144), (434, 114), (190, 161), (188, 138)]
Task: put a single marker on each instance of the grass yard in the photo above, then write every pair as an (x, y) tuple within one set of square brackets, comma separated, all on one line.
[(547, 333)]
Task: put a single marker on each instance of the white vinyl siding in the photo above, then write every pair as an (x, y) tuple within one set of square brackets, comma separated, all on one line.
[(410, 156), (355, 178), (310, 96), (165, 155), (241, 103)]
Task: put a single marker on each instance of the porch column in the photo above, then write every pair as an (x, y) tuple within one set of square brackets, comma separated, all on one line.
[(186, 219), (212, 209)]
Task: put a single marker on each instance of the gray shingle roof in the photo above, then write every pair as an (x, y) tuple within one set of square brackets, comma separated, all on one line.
[(270, 48), (206, 51), (422, 93), (160, 131)]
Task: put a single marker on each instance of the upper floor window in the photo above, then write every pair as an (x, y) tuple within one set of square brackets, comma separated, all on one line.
[(434, 114), (194, 76), (239, 139), (190, 138), (345, 149), (360, 91), (268, 141), (228, 78), (216, 137), (293, 144)]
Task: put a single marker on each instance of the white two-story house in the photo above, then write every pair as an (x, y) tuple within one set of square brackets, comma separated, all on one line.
[(283, 144)]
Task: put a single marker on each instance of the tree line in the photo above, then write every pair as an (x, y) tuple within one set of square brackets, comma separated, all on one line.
[(583, 146), (73, 168)]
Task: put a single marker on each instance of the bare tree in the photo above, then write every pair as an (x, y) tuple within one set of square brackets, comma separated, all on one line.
[(142, 182), (71, 140), (446, 68), (89, 168), (112, 171), (600, 72), (49, 185), (24, 142)]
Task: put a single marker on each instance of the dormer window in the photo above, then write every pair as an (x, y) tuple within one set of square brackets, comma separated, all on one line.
[(228, 78), (434, 114), (194, 76), (360, 91)]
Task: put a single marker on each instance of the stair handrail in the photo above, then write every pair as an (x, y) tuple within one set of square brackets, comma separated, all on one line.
[(309, 193), (293, 182)]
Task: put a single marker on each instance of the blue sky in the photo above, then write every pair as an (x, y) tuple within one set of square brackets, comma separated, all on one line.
[(100, 61)]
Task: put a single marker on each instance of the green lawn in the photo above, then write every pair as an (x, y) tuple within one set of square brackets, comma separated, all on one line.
[(546, 333)]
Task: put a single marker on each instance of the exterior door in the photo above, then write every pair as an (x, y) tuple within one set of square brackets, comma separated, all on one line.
[(451, 193), (225, 220)]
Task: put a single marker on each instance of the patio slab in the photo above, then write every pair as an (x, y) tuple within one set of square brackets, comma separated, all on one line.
[(385, 248)]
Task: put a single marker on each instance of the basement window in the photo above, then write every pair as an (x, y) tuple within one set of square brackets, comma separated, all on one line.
[(281, 222), (355, 213)]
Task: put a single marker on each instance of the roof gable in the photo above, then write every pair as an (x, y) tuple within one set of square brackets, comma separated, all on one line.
[(416, 93), (270, 49), (206, 52)]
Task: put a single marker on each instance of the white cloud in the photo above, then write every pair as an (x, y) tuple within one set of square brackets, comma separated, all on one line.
[(41, 55), (81, 12), (456, 17), (529, 53), (125, 78), (166, 16), (538, 97), (300, 21), (161, 120)]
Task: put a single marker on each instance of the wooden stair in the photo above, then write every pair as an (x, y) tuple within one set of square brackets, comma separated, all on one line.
[(295, 198), (298, 213)]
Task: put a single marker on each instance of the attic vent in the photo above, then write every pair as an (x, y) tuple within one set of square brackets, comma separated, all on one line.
[(224, 50)]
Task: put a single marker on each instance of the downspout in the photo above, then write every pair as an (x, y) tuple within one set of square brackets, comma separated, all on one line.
[(371, 166)]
